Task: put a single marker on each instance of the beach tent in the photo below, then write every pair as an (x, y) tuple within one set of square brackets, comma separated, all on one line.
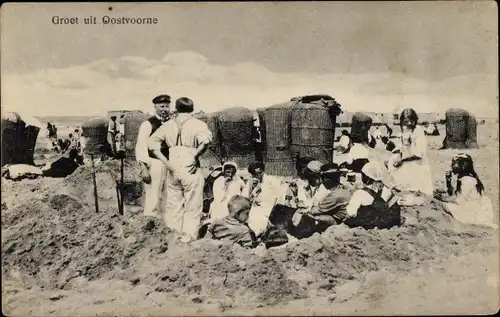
[(461, 130), (19, 135)]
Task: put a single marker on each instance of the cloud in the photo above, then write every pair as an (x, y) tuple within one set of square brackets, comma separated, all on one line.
[(131, 82)]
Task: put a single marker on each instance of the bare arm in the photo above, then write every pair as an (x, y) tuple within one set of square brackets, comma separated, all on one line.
[(154, 145), (354, 204), (201, 149)]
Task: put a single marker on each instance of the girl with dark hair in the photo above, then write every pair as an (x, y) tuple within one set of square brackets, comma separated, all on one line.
[(409, 167), (469, 204)]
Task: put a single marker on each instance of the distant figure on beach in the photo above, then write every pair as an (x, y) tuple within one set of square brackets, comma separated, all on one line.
[(51, 131), (113, 131)]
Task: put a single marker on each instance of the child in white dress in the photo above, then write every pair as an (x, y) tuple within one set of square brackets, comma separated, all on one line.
[(409, 167), (469, 204)]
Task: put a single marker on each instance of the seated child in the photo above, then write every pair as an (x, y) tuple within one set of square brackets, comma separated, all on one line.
[(374, 205), (470, 204), (332, 209), (234, 227), (224, 188)]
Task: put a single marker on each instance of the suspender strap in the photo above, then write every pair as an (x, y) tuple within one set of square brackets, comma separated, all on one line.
[(179, 132)]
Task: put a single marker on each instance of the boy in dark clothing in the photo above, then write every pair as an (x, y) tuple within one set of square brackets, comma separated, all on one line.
[(233, 227)]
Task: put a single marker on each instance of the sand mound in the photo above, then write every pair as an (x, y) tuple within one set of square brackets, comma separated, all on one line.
[(60, 240)]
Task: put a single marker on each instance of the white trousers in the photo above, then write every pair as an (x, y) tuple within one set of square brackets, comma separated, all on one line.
[(155, 192), (184, 206)]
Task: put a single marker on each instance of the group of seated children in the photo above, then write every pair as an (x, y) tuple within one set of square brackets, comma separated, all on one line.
[(242, 215)]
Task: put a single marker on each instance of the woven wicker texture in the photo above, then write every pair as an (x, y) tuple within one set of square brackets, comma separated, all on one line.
[(278, 134), (472, 132), (456, 124), (18, 141), (312, 131), (235, 126), (213, 155), (96, 133), (132, 124)]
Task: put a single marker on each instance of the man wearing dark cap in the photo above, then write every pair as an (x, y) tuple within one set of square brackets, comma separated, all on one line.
[(152, 169), (332, 209), (187, 139)]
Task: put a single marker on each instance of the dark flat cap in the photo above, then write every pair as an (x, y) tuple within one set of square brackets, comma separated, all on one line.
[(161, 99), (330, 167), (330, 170)]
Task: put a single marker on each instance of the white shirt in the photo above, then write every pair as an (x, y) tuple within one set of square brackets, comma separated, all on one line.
[(362, 198), (358, 151), (344, 141), (318, 194), (271, 190), (468, 190), (222, 192), (141, 147), (83, 143)]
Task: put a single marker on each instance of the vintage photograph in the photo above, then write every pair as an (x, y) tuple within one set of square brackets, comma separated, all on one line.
[(250, 158)]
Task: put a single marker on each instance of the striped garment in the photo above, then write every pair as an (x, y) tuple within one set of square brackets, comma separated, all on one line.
[(230, 229)]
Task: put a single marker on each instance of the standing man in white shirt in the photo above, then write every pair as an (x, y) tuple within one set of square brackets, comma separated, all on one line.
[(153, 170), (187, 139)]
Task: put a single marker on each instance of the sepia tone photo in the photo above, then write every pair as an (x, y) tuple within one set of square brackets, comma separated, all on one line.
[(250, 158)]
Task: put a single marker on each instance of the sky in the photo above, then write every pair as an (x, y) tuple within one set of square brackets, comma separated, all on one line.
[(385, 55)]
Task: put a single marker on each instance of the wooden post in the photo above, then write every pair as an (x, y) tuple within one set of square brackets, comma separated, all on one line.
[(96, 201), (121, 183), (118, 198)]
